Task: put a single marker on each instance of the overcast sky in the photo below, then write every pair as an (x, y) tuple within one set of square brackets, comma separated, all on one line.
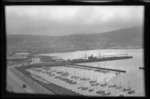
[(66, 20)]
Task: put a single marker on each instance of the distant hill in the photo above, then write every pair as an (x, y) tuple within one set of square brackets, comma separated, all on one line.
[(123, 38)]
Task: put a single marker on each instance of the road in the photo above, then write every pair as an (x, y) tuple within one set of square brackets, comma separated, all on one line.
[(15, 84)]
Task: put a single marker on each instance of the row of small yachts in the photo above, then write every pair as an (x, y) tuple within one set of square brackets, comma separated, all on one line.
[(63, 76)]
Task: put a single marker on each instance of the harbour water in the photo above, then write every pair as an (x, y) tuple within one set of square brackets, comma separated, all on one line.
[(133, 76), (129, 65)]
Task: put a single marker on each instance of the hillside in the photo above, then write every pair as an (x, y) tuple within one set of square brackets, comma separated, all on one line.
[(123, 38)]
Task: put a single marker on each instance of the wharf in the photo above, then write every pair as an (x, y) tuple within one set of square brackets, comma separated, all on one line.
[(123, 71)]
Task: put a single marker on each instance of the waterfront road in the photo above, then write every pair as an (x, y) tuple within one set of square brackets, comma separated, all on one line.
[(14, 84)]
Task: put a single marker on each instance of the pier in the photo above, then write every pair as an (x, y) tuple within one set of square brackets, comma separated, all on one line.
[(123, 71)]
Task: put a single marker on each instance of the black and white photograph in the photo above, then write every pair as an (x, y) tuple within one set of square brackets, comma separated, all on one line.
[(75, 50)]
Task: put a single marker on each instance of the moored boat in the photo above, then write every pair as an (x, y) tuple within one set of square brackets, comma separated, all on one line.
[(90, 90), (127, 89), (95, 84), (84, 88), (104, 84), (131, 92), (100, 92), (114, 85), (119, 87)]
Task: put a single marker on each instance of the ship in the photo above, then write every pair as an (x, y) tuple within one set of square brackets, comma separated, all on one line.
[(102, 58)]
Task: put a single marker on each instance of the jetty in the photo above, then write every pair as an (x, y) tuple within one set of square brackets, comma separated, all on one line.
[(118, 70)]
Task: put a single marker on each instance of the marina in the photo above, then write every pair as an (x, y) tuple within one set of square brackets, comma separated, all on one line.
[(79, 50), (87, 79)]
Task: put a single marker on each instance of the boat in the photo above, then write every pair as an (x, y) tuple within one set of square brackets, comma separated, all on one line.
[(76, 77), (121, 94), (54, 71), (90, 90), (98, 70), (104, 84), (57, 76), (100, 92), (119, 87), (50, 74), (81, 86), (64, 74), (104, 71), (114, 85), (127, 89), (106, 93), (60, 72), (72, 82), (89, 69), (84, 88), (92, 81), (73, 75), (131, 92), (94, 84), (65, 79), (84, 78)]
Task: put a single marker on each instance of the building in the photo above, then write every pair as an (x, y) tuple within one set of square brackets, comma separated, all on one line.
[(18, 58), (34, 61), (44, 59), (57, 59)]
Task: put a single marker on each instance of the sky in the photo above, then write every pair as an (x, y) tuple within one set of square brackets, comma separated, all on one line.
[(67, 20)]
